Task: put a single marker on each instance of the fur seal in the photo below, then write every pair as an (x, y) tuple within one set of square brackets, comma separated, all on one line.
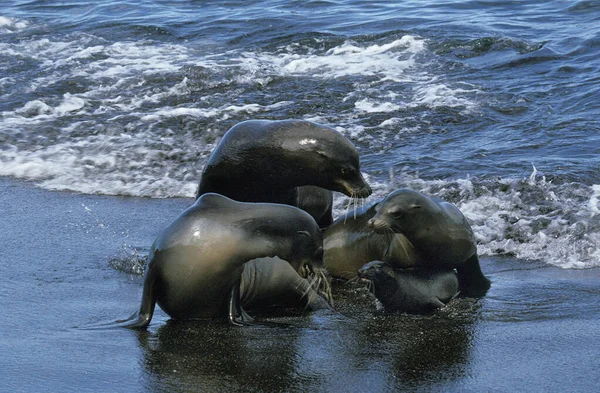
[(267, 160), (440, 235), (268, 283), (350, 242), (410, 290), (196, 262)]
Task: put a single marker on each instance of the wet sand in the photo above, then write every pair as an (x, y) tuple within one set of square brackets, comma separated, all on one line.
[(537, 330)]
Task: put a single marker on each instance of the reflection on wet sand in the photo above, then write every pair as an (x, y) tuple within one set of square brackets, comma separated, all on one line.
[(208, 356), (305, 352)]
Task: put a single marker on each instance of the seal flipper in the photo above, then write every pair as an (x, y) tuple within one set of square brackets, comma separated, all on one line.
[(235, 313), (317, 302), (437, 303), (141, 318), (472, 282)]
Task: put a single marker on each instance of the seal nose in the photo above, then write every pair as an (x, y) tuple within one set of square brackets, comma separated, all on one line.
[(365, 191), (371, 223), (377, 225)]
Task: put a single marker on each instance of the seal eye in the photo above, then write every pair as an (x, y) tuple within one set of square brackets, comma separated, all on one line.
[(397, 214), (303, 233), (346, 172)]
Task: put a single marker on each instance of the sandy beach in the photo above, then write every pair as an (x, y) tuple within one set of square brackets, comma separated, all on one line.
[(537, 330)]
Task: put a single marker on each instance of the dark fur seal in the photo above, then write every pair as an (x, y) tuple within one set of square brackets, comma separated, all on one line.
[(350, 242), (196, 262), (266, 161), (410, 290), (440, 235)]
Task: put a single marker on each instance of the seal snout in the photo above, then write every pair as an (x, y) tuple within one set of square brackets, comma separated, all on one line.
[(365, 274), (379, 226), (361, 188), (355, 188), (364, 191)]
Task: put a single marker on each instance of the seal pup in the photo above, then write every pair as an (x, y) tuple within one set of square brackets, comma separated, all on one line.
[(196, 262), (267, 160), (410, 290), (269, 283), (439, 233)]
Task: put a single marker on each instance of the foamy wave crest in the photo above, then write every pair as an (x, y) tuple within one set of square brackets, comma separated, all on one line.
[(223, 113), (133, 165), (530, 218), (389, 61), (11, 25), (392, 75)]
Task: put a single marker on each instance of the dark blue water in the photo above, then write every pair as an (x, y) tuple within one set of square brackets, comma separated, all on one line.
[(107, 108)]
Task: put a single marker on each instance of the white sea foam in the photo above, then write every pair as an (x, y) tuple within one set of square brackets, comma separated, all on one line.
[(11, 25), (594, 203), (389, 60), (369, 106), (116, 165), (436, 94), (222, 113)]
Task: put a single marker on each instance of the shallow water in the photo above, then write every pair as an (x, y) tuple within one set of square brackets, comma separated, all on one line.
[(109, 110)]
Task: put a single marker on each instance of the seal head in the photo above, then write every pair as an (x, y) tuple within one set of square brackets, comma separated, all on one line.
[(266, 161)]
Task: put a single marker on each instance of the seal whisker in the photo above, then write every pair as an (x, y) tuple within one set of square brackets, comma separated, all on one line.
[(299, 285), (347, 209), (327, 288), (352, 280)]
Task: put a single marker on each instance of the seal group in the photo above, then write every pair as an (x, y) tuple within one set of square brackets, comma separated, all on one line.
[(254, 236)]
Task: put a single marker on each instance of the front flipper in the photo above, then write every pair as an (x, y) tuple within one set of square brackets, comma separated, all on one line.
[(235, 313)]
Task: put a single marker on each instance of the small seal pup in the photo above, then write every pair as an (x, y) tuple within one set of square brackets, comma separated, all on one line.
[(266, 161), (196, 262), (410, 290), (440, 236), (269, 283)]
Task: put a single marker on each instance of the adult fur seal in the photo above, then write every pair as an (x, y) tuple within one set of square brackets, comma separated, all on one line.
[(410, 290), (350, 242), (265, 161), (196, 262), (269, 283), (439, 233)]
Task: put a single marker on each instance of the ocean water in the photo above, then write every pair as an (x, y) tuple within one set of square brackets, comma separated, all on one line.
[(109, 110), (492, 105)]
